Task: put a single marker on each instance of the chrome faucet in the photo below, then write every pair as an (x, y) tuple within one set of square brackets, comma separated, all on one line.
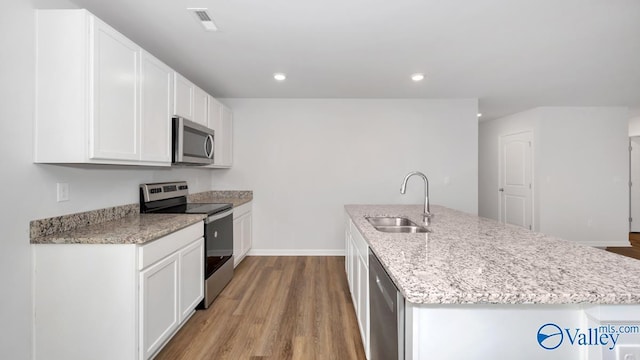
[(403, 189)]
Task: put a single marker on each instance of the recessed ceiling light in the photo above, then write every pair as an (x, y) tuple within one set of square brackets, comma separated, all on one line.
[(417, 77), (279, 76), (479, 114)]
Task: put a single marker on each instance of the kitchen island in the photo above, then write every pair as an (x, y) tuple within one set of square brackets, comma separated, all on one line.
[(478, 289)]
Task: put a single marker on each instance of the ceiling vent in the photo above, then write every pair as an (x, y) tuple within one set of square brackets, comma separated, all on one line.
[(203, 17)]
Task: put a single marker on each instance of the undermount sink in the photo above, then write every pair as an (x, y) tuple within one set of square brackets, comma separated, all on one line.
[(396, 225), (390, 221)]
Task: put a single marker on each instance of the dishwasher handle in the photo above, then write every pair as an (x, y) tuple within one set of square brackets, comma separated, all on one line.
[(385, 295)]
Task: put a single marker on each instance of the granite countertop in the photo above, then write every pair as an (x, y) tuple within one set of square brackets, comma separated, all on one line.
[(467, 259), (131, 229), (234, 197), (124, 224)]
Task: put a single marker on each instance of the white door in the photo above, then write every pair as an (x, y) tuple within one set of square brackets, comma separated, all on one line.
[(200, 103), (237, 241), (158, 304), (246, 225), (156, 106), (363, 301), (215, 123), (191, 275), (634, 171), (516, 179), (183, 92), (114, 127), (226, 147)]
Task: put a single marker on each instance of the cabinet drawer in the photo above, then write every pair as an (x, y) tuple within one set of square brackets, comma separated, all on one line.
[(241, 210), (158, 249)]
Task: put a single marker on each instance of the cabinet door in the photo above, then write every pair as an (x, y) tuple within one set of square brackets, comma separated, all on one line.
[(237, 241), (246, 227), (226, 147), (355, 277), (158, 304), (242, 236), (183, 93), (156, 104), (114, 125), (215, 123), (200, 103), (363, 302), (191, 277)]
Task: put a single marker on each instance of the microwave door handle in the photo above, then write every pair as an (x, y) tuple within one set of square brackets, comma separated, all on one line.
[(206, 151)]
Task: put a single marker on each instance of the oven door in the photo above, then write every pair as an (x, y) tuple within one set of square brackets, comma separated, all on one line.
[(192, 143), (218, 241)]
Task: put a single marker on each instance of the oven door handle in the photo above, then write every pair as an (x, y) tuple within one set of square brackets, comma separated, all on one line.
[(215, 217)]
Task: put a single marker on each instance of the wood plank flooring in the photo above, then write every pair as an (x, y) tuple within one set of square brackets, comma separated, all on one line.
[(632, 252), (275, 308)]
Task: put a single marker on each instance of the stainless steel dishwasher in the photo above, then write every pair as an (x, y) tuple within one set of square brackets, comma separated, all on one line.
[(386, 314)]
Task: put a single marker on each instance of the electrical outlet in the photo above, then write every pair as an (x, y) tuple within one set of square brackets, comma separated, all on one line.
[(63, 192), (628, 352)]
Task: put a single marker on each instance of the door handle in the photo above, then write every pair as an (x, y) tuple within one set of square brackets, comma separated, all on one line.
[(501, 189), (208, 140), (386, 296)]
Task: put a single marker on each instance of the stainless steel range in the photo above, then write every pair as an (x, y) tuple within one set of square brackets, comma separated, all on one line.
[(171, 197)]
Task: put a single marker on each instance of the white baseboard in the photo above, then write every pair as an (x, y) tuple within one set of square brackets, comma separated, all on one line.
[(296, 252)]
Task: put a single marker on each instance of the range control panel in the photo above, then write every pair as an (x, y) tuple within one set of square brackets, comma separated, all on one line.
[(161, 191)]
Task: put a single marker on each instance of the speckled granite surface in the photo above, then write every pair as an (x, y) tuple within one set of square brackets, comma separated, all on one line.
[(467, 260), (58, 224), (115, 225), (235, 197)]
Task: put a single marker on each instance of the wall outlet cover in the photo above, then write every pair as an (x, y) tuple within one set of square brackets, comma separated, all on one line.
[(62, 192), (628, 352)]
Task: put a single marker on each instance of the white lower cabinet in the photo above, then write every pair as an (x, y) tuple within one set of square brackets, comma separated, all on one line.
[(158, 304), (242, 232), (191, 275), (357, 267), (115, 301)]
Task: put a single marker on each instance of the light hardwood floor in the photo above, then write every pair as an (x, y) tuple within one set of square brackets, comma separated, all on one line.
[(275, 308)]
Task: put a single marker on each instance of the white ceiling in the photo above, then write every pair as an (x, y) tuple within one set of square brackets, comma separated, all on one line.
[(510, 54)]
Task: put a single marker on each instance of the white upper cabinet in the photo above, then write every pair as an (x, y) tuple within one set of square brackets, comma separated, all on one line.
[(156, 105), (190, 101), (226, 156), (221, 121), (183, 96), (93, 100), (102, 99), (114, 129), (200, 104)]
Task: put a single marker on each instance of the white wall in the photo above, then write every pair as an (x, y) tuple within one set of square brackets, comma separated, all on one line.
[(29, 189), (581, 171), (305, 159), (634, 126)]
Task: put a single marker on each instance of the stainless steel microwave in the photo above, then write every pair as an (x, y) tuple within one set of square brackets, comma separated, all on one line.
[(192, 143)]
